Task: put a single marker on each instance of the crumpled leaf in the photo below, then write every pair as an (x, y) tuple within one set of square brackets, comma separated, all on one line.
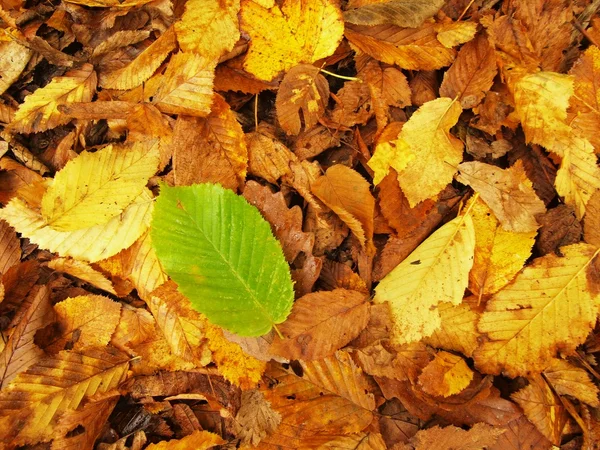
[(208, 28), (302, 96), (551, 289), (568, 379), (296, 32), (321, 323), (404, 13), (446, 375), (348, 194), (255, 418), (508, 192), (234, 292), (416, 286), (40, 111), (107, 181)]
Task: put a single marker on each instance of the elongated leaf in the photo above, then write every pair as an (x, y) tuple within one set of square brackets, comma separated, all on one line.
[(95, 187), (222, 254), (404, 13)]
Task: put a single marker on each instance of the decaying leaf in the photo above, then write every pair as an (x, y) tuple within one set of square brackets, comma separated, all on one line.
[(255, 418)]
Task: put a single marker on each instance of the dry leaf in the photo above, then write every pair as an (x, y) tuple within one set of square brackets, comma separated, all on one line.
[(454, 438), (83, 271), (255, 418), (198, 440), (568, 379), (10, 248), (411, 13), (452, 34)]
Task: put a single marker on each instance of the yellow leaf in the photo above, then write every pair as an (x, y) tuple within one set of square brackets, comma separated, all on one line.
[(553, 298), (303, 94), (455, 33), (458, 330), (209, 27), (508, 192), (436, 152), (446, 375), (14, 59), (83, 271), (31, 405), (95, 187), (187, 85), (408, 48), (142, 67), (40, 111), (436, 271), (198, 440), (281, 38), (89, 244), (568, 379), (85, 321), (348, 194), (135, 326), (499, 254), (542, 407), (182, 327), (393, 153)]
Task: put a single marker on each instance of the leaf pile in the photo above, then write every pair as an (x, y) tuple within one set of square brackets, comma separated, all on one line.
[(402, 252)]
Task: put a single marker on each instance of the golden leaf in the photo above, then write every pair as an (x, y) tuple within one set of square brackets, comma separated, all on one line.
[(186, 86), (542, 407), (458, 331), (135, 326), (142, 67), (446, 375), (304, 92), (20, 351), (408, 48), (208, 27), (85, 321), (83, 271), (391, 152), (358, 441), (31, 405), (321, 323), (455, 33), (499, 254), (436, 151), (481, 436), (281, 38), (182, 327), (591, 221), (198, 440), (416, 285), (40, 111), (568, 379), (348, 194), (508, 192), (107, 181), (10, 247), (89, 244), (551, 298)]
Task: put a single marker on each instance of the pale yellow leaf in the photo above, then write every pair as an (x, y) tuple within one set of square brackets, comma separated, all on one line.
[(96, 187), (14, 59), (555, 298), (436, 271), (83, 271), (458, 330), (455, 33)]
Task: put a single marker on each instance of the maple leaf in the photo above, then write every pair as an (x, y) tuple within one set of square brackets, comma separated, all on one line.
[(299, 31), (40, 111), (415, 286), (550, 288), (303, 93)]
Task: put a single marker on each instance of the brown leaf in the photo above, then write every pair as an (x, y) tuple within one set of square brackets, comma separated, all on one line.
[(559, 226), (353, 104), (348, 194), (472, 74), (321, 323), (328, 228), (568, 379), (584, 105), (591, 221), (14, 176), (542, 407), (336, 275), (17, 282), (448, 374), (539, 169), (390, 84), (211, 149), (10, 247), (403, 363), (454, 438), (404, 13), (521, 434), (424, 87), (508, 193), (301, 99), (83, 271), (268, 158), (255, 418), (313, 142)]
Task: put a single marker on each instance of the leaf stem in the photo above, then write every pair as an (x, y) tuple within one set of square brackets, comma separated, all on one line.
[(278, 332), (342, 77)]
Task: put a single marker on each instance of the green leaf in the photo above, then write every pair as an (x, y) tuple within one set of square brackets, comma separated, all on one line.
[(223, 256)]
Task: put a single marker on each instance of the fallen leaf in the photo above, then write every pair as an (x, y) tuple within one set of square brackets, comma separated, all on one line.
[(321, 323), (568, 379), (559, 227), (268, 158), (521, 433), (255, 418), (552, 287), (591, 222), (198, 440), (83, 271), (508, 193), (297, 32), (10, 247), (454, 438), (452, 34), (446, 375), (301, 98), (411, 13)]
